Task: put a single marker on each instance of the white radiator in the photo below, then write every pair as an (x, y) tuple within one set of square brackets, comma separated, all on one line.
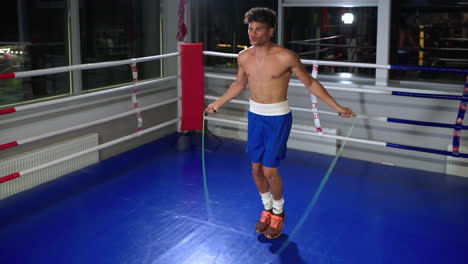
[(296, 141), (44, 155), (457, 166)]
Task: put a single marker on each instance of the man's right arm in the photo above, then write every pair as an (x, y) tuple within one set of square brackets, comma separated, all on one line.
[(316, 88), (234, 90)]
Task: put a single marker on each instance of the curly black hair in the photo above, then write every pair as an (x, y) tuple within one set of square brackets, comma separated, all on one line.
[(262, 15)]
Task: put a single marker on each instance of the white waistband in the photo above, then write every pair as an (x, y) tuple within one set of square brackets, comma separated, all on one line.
[(269, 109)]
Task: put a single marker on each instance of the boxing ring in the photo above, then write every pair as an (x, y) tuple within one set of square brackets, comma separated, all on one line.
[(151, 204)]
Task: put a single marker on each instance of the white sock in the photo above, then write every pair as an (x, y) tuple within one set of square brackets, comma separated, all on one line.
[(267, 200), (278, 206)]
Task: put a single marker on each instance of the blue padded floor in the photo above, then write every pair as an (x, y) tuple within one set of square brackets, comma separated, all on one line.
[(147, 206)]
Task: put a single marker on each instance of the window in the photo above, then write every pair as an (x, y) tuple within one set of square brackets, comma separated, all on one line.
[(35, 34), (431, 35), (333, 34), (34, 38), (220, 26), (118, 30)]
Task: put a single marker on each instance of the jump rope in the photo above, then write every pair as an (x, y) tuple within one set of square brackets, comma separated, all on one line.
[(205, 182), (311, 204)]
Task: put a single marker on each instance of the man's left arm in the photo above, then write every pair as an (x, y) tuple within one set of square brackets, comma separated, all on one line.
[(316, 88)]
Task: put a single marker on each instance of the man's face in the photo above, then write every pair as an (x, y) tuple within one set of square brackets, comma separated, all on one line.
[(259, 33)]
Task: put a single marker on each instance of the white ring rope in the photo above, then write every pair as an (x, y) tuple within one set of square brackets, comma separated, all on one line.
[(312, 62), (316, 39), (370, 117), (90, 66), (82, 96), (350, 88), (105, 145), (96, 122), (365, 141)]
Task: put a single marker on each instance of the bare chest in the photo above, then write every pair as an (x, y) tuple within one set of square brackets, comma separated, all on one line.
[(266, 69)]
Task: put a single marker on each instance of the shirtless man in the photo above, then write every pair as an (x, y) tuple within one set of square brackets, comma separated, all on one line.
[(267, 68)]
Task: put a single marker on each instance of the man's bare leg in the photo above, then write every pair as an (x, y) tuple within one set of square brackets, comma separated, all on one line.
[(268, 179), (275, 228), (274, 179), (267, 199), (262, 183)]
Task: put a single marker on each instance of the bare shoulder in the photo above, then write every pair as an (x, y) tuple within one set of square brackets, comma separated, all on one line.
[(284, 51), (244, 54), (286, 55)]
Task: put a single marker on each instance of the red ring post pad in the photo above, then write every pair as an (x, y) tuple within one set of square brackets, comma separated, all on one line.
[(8, 145), (8, 75), (7, 111), (10, 177), (193, 86)]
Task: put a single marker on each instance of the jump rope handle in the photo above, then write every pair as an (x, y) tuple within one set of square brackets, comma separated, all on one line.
[(214, 111), (354, 115)]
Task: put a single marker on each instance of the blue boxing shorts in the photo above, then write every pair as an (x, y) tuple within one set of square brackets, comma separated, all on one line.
[(269, 126)]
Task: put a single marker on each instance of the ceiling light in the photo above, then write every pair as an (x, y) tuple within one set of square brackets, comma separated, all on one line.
[(347, 18)]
